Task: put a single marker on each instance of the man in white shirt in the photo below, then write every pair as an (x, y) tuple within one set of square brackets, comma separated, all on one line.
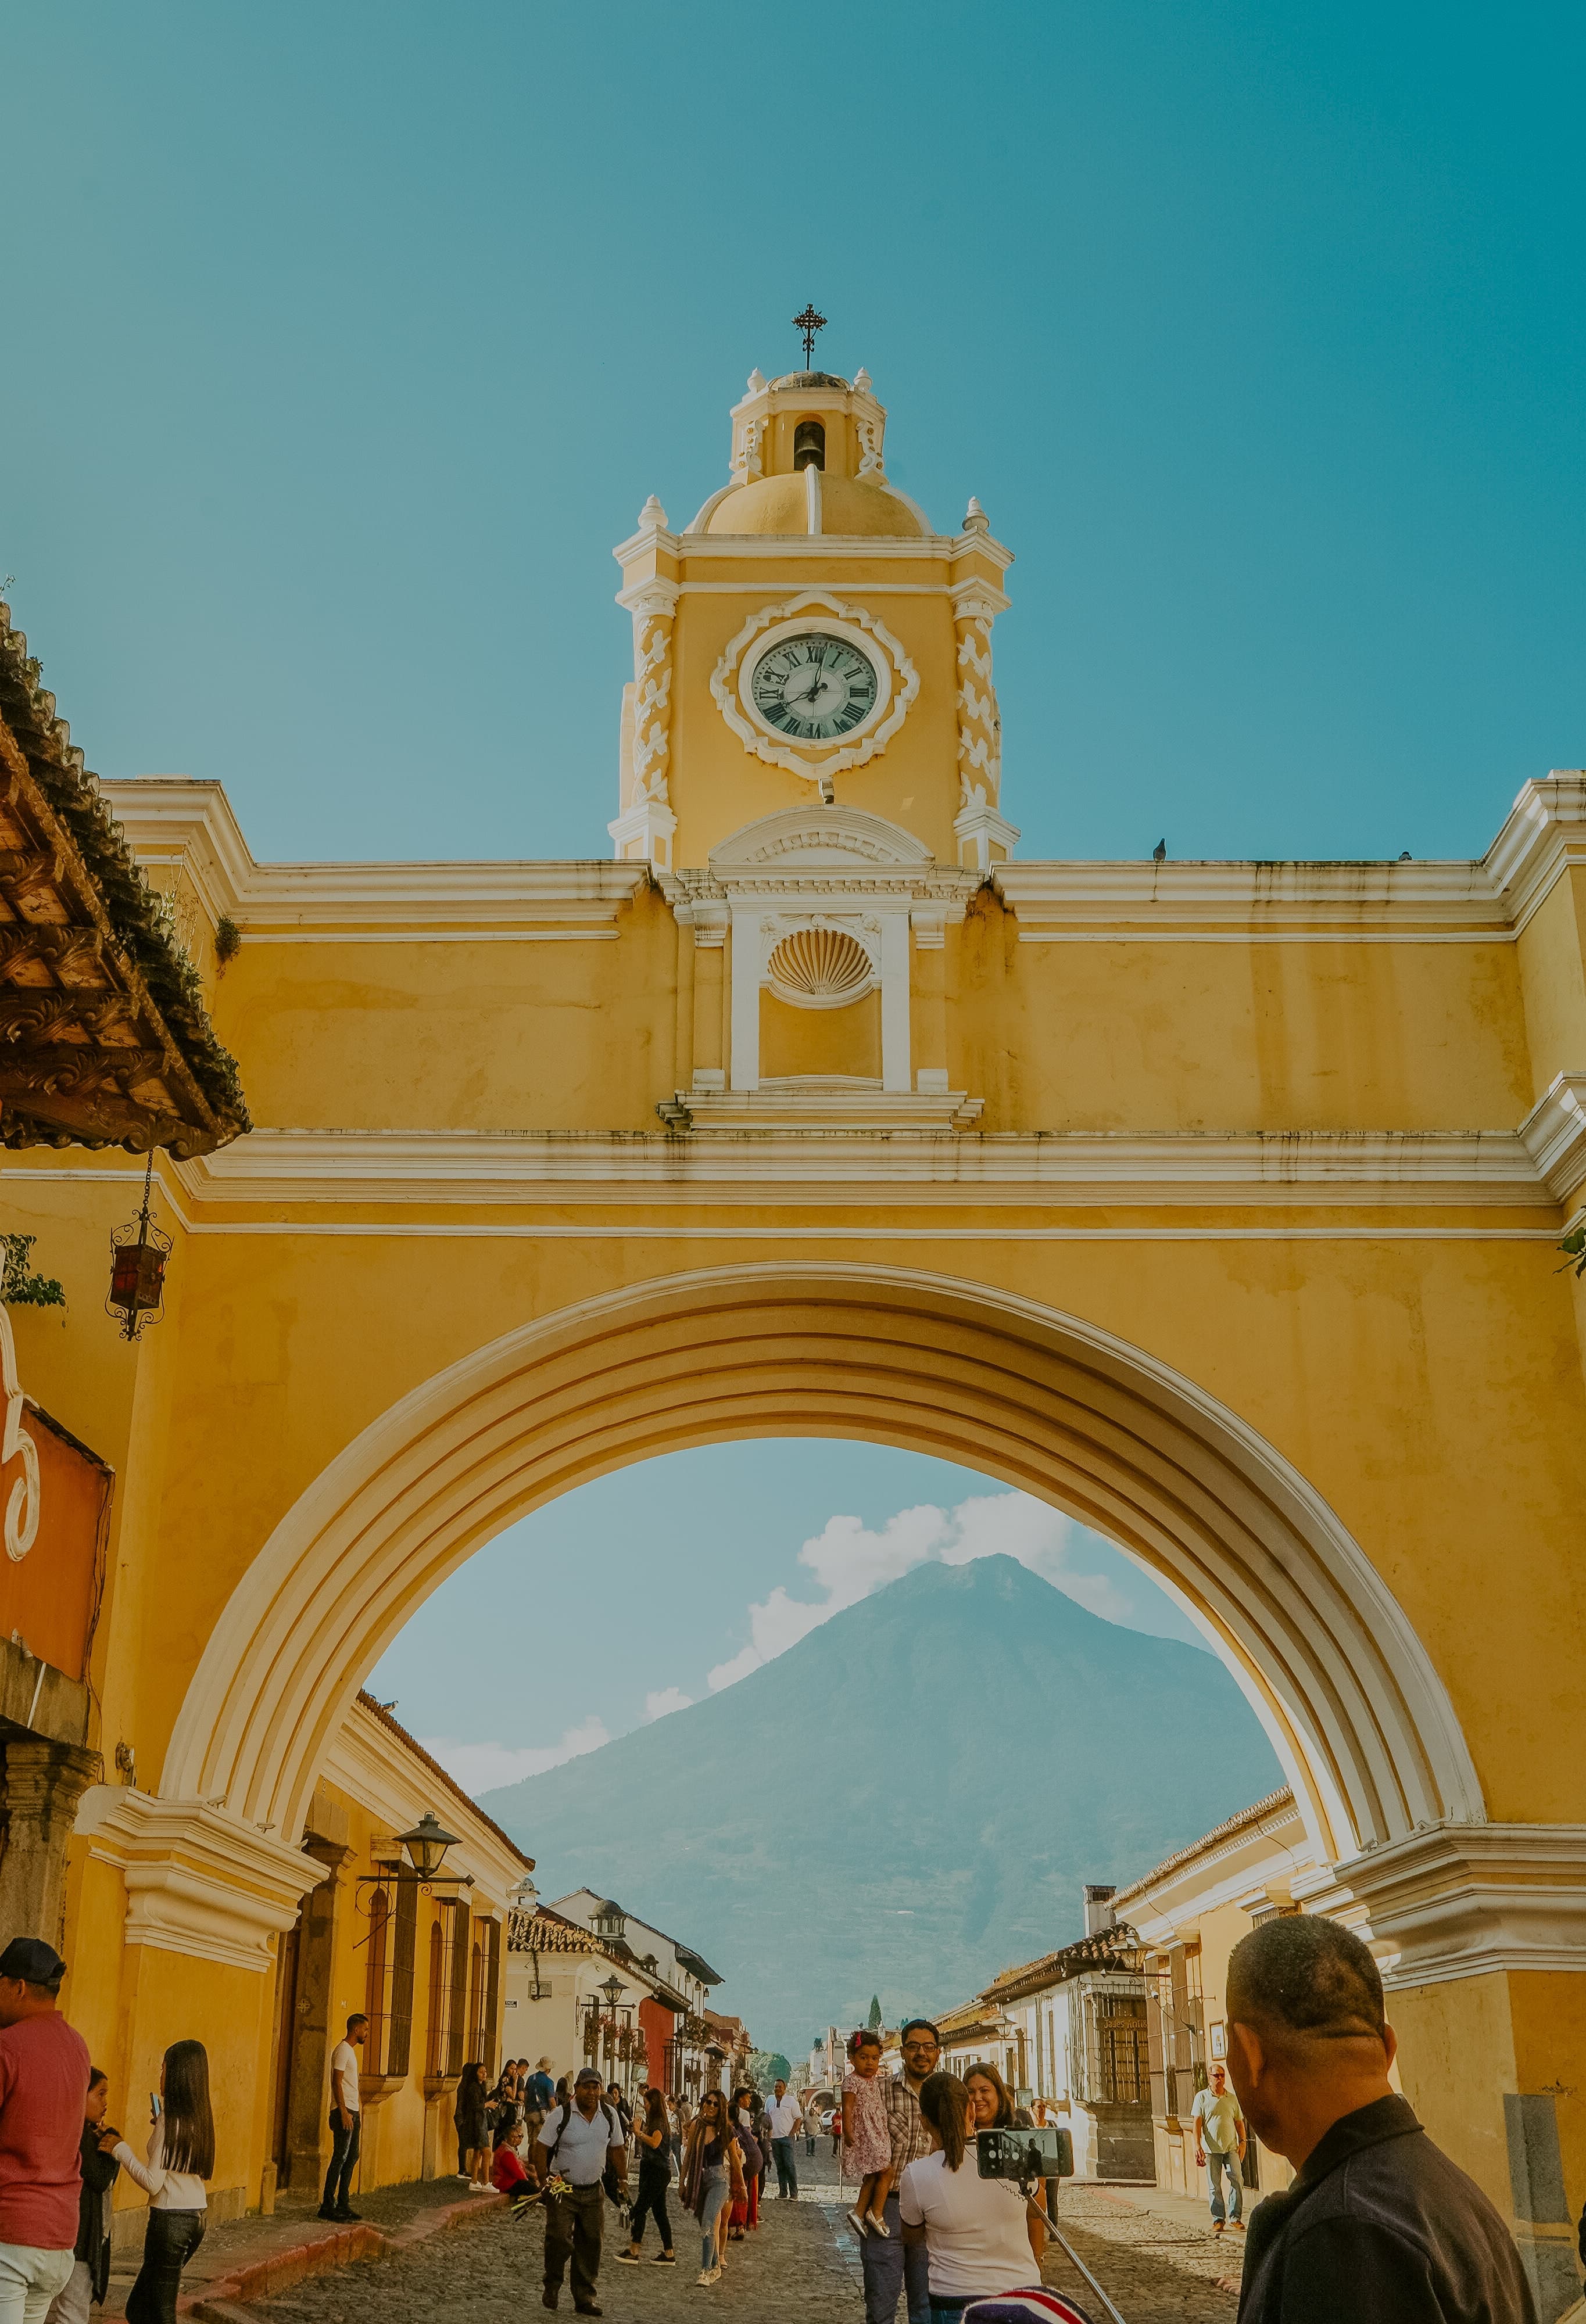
[(1219, 2146), (784, 2114), (346, 2120), (575, 2144)]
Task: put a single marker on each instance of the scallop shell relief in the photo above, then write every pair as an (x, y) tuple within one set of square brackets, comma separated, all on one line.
[(821, 967)]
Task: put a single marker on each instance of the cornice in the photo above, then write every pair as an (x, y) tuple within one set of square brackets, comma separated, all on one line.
[(1453, 1901), (1126, 900), (1553, 1134), (170, 819), (199, 1881), (1384, 1169), (362, 1761), (1543, 835)]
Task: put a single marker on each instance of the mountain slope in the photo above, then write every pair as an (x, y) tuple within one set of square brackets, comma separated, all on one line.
[(905, 1802)]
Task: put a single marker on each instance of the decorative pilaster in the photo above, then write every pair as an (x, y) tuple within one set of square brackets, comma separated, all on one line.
[(645, 828), (45, 1780), (984, 837)]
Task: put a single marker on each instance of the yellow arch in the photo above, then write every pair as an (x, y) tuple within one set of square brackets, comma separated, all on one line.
[(1036, 1398)]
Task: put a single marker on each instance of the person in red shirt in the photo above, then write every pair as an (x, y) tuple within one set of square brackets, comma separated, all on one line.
[(45, 2069), (509, 2176)]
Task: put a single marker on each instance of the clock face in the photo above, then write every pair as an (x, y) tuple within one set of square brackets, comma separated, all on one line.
[(814, 688)]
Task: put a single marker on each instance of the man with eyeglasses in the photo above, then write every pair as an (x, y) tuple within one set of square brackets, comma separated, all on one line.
[(891, 2266)]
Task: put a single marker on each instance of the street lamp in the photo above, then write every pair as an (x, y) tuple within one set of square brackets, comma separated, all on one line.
[(426, 1845)]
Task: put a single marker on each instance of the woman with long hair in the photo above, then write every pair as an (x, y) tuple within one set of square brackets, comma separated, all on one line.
[(473, 2137), (990, 2099), (180, 2158), (652, 2137), (745, 2206), (712, 2175), (981, 2240)]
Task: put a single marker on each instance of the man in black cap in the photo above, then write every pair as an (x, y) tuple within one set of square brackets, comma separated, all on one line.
[(44, 2068), (578, 2141), (1379, 2226)]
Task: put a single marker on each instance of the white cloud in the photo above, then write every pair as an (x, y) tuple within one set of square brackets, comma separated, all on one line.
[(481, 1766), (666, 1699), (848, 1560)]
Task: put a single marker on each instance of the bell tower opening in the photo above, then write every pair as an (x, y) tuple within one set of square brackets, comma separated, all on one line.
[(810, 444)]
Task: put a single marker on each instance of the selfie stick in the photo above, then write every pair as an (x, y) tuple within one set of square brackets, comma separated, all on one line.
[(1056, 2232)]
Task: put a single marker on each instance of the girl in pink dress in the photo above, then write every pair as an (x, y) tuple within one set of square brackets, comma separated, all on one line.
[(867, 2135)]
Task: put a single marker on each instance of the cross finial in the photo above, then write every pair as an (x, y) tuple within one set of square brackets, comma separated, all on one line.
[(808, 322)]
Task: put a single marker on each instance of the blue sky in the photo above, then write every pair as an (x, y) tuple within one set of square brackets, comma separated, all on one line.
[(657, 1585), (348, 340), (344, 341)]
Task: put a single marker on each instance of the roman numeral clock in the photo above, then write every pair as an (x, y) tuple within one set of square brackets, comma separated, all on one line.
[(814, 688)]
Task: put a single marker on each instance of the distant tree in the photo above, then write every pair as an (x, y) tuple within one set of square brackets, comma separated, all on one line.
[(767, 2067), (873, 2020)]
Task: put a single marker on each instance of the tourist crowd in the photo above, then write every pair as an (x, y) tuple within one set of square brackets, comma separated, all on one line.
[(1378, 2226)]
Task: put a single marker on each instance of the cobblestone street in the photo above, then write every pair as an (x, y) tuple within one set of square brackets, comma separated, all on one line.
[(801, 2267)]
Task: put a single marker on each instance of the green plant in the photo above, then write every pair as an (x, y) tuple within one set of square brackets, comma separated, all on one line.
[(228, 939), (19, 1285), (1573, 1247)]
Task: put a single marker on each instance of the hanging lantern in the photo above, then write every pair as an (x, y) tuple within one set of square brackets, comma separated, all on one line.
[(138, 1252)]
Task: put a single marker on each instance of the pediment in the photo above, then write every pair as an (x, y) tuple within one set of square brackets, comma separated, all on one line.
[(821, 838)]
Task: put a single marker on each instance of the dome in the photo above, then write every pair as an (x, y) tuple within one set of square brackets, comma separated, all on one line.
[(848, 505)]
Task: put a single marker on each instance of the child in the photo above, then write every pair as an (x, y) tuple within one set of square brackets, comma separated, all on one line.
[(508, 2173), (865, 2136), (90, 2272)]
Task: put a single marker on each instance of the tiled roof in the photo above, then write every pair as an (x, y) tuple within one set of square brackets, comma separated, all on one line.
[(378, 1711), (94, 977), (1245, 1821)]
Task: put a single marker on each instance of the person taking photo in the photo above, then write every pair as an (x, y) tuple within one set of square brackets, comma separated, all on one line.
[(981, 2237), (180, 2158)]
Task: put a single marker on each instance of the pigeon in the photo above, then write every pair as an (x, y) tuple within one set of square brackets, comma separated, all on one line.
[(1159, 853), (1406, 857)]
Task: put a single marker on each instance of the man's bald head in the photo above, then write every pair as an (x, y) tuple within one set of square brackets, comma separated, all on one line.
[(1301, 1980)]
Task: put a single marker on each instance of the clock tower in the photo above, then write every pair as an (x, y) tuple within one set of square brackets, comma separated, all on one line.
[(811, 761), (807, 641)]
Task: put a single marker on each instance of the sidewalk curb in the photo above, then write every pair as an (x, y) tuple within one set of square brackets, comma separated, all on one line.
[(226, 2300)]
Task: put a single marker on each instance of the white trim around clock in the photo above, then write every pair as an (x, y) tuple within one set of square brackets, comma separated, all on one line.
[(814, 760)]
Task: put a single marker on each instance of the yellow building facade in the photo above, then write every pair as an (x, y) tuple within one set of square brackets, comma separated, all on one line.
[(1217, 1204)]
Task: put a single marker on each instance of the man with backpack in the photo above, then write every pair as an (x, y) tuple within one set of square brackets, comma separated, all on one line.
[(579, 2142)]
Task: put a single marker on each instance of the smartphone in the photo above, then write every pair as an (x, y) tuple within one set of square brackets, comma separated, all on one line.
[(155, 2108), (1025, 2154)]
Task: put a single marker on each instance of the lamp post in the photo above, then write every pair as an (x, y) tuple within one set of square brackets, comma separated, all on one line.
[(613, 1988), (426, 1845)]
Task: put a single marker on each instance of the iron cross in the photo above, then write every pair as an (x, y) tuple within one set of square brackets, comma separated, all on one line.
[(808, 322)]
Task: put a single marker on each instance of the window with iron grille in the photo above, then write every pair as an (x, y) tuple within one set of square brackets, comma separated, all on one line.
[(449, 1972), (388, 1986), (1126, 2062)]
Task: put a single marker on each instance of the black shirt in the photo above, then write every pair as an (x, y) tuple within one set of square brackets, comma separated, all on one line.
[(1380, 2227)]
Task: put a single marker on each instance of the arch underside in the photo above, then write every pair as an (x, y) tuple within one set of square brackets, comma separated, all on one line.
[(1033, 1399)]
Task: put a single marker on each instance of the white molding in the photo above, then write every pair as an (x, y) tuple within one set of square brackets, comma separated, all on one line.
[(1457, 1900), (979, 828), (822, 838), (1553, 1134), (813, 760), (1470, 1168), (1127, 900), (169, 819), (199, 1880)]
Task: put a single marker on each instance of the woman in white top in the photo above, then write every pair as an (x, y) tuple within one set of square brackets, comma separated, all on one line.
[(980, 2237), (182, 2156)]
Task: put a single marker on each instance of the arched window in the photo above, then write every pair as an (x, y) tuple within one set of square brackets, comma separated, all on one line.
[(810, 444)]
